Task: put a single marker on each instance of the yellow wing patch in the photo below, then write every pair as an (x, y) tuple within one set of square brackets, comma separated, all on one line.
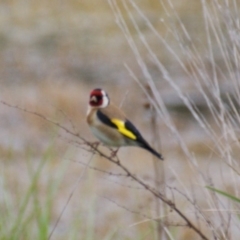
[(122, 129)]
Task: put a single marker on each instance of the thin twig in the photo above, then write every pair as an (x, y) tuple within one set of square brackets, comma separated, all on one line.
[(70, 197), (151, 190)]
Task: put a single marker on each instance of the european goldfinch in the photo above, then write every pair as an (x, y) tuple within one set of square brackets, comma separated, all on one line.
[(109, 124)]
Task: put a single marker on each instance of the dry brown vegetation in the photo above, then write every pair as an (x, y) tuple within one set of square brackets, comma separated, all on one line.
[(52, 54)]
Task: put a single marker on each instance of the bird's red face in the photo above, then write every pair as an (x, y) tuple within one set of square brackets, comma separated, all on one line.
[(98, 98)]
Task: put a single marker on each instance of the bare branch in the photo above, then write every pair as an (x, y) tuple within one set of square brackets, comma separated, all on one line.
[(116, 161)]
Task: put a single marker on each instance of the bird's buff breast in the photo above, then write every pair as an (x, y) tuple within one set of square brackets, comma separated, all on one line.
[(107, 135)]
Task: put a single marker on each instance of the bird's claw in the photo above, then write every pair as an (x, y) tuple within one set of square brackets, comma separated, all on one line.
[(113, 153), (94, 144)]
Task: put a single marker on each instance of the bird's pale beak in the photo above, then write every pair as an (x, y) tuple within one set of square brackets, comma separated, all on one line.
[(93, 99)]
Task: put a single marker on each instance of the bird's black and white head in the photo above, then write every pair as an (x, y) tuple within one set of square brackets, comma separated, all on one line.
[(99, 98)]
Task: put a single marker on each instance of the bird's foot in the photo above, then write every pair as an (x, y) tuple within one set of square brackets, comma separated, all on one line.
[(94, 144), (114, 152)]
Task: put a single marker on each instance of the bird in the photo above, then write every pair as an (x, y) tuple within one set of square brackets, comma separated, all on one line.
[(110, 125)]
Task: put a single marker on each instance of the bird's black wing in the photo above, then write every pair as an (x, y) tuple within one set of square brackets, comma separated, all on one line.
[(129, 126), (129, 131), (120, 125), (105, 119), (141, 141)]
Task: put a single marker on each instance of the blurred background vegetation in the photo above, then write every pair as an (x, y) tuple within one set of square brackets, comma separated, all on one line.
[(80, 40), (52, 53)]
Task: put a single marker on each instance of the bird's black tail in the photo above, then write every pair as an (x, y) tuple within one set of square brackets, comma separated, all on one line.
[(150, 149), (140, 141)]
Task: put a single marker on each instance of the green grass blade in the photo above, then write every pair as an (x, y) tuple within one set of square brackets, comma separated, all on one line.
[(224, 194)]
